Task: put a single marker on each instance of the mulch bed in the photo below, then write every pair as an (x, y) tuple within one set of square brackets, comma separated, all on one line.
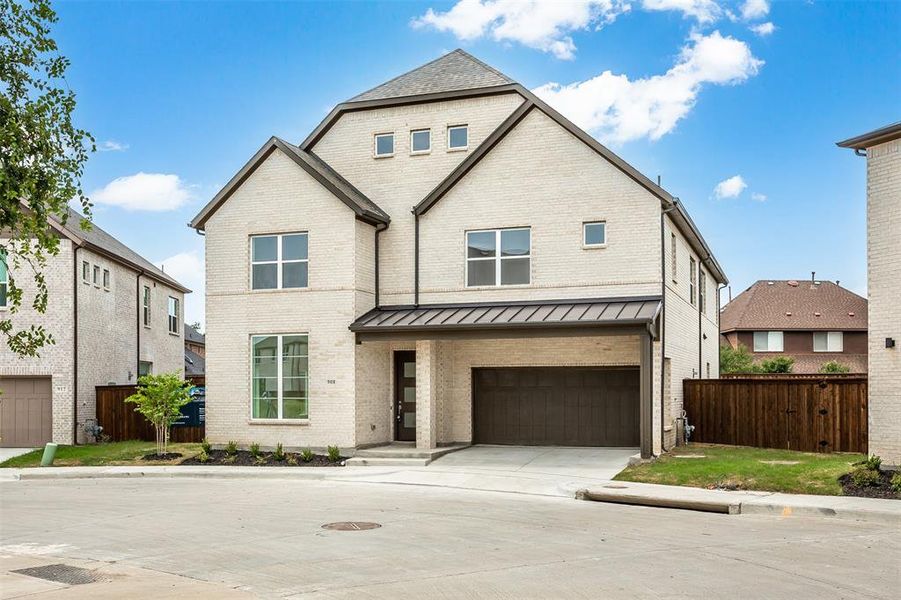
[(167, 456), (883, 490), (266, 459)]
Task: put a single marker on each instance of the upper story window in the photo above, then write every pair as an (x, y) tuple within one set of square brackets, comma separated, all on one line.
[(594, 235), (106, 279), (145, 303), (383, 145), (4, 278), (702, 291), (279, 261), (280, 372), (85, 271), (828, 341), (767, 341), (173, 315), (674, 262), (97, 275), (498, 257), (420, 141), (458, 137), (692, 272)]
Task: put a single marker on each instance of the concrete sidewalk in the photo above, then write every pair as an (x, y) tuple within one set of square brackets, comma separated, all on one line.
[(745, 502)]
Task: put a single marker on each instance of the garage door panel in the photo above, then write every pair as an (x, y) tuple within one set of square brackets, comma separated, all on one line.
[(578, 406), (25, 411)]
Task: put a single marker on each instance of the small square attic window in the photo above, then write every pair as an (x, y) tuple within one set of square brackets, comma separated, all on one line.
[(384, 145)]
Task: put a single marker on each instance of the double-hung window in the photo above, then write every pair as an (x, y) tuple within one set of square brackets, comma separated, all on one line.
[(106, 279), (4, 279), (97, 275), (279, 261), (280, 365), (692, 273), (702, 291), (828, 341), (173, 315), (85, 271), (767, 341), (498, 257), (145, 303)]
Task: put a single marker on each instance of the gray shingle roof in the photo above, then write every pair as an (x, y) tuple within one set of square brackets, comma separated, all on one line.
[(194, 363), (457, 70), (105, 242), (192, 335)]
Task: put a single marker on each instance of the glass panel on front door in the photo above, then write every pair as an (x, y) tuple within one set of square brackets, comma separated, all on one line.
[(405, 396)]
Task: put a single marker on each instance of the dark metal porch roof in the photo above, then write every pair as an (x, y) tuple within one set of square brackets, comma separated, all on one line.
[(511, 315)]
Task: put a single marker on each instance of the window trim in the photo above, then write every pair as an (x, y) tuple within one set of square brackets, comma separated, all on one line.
[(769, 335), (145, 306), (448, 138), (585, 225), (375, 144), (841, 339), (278, 262), (279, 375), (497, 258), (4, 303), (106, 279), (692, 285), (170, 316), (427, 150)]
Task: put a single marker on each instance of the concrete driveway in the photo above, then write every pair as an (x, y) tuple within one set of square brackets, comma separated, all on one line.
[(8, 453), (589, 463)]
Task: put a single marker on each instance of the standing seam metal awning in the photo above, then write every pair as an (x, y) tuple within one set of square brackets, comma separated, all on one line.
[(541, 314)]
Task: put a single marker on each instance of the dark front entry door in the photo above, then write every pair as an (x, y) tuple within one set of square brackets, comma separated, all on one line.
[(556, 406), (405, 396)]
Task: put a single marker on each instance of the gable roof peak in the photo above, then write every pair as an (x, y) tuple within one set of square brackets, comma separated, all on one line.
[(456, 70)]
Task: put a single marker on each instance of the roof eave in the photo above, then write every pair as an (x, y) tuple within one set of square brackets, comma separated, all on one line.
[(872, 138)]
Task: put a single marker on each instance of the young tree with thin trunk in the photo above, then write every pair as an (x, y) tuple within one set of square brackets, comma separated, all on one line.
[(160, 398)]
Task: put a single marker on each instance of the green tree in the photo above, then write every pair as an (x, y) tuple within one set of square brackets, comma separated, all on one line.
[(833, 366), (736, 360), (42, 159), (160, 398), (777, 364)]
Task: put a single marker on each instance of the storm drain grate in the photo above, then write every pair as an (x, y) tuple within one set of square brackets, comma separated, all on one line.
[(61, 573), (351, 526)]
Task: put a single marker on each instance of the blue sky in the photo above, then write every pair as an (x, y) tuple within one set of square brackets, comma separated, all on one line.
[(700, 94)]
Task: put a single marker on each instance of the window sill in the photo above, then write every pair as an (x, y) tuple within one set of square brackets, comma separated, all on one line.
[(421, 153), (378, 156), (507, 286), (464, 149), (593, 246), (274, 290), (278, 422), (173, 334)]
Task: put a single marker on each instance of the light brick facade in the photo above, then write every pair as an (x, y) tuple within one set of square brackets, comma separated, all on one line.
[(884, 288)]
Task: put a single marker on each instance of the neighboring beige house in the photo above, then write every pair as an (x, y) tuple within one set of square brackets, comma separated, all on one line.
[(882, 148), (112, 315), (446, 259)]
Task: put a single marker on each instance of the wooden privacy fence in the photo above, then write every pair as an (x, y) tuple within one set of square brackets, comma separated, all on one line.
[(822, 413), (120, 421)]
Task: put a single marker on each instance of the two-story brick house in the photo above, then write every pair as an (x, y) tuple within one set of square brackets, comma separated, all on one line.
[(113, 315), (882, 149), (447, 259)]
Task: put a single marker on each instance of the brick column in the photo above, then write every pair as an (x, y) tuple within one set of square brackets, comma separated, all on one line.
[(426, 394)]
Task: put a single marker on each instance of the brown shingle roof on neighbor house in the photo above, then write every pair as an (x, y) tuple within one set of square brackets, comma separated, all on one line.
[(549, 313), (800, 305)]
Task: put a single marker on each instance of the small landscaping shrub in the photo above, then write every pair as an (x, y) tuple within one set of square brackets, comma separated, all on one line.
[(736, 360), (255, 450), (231, 448), (292, 459), (864, 477), (279, 453), (874, 463), (833, 366), (204, 456), (205, 445), (778, 364), (896, 482), (334, 453), (306, 455)]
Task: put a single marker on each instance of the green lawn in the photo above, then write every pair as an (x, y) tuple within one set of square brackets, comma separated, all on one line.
[(115, 453), (739, 467)]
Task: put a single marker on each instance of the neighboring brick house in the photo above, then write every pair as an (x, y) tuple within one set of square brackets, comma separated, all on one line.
[(446, 259), (812, 321), (112, 314), (195, 356), (882, 148)]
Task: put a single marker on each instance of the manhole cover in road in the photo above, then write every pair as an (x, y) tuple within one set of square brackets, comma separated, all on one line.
[(61, 574), (351, 526)]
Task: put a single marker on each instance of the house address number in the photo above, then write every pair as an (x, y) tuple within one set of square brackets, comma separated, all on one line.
[(330, 381)]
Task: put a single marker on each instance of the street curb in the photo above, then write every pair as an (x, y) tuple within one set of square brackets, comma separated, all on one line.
[(714, 506)]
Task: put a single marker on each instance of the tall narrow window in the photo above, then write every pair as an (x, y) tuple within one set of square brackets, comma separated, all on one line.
[(4, 278), (145, 303), (702, 291), (106, 279), (85, 271), (674, 265), (692, 272), (97, 275), (173, 315), (498, 257), (279, 261), (280, 366)]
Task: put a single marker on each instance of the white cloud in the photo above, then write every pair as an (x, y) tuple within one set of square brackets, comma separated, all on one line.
[(111, 146), (754, 9), (758, 197), (619, 109), (144, 191), (540, 24), (705, 11), (763, 29), (187, 269), (730, 188)]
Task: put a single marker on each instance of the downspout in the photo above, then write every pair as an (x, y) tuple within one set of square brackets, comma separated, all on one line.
[(75, 288), (663, 317), (378, 229), (416, 261)]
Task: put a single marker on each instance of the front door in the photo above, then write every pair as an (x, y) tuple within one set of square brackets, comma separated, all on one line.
[(405, 396)]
